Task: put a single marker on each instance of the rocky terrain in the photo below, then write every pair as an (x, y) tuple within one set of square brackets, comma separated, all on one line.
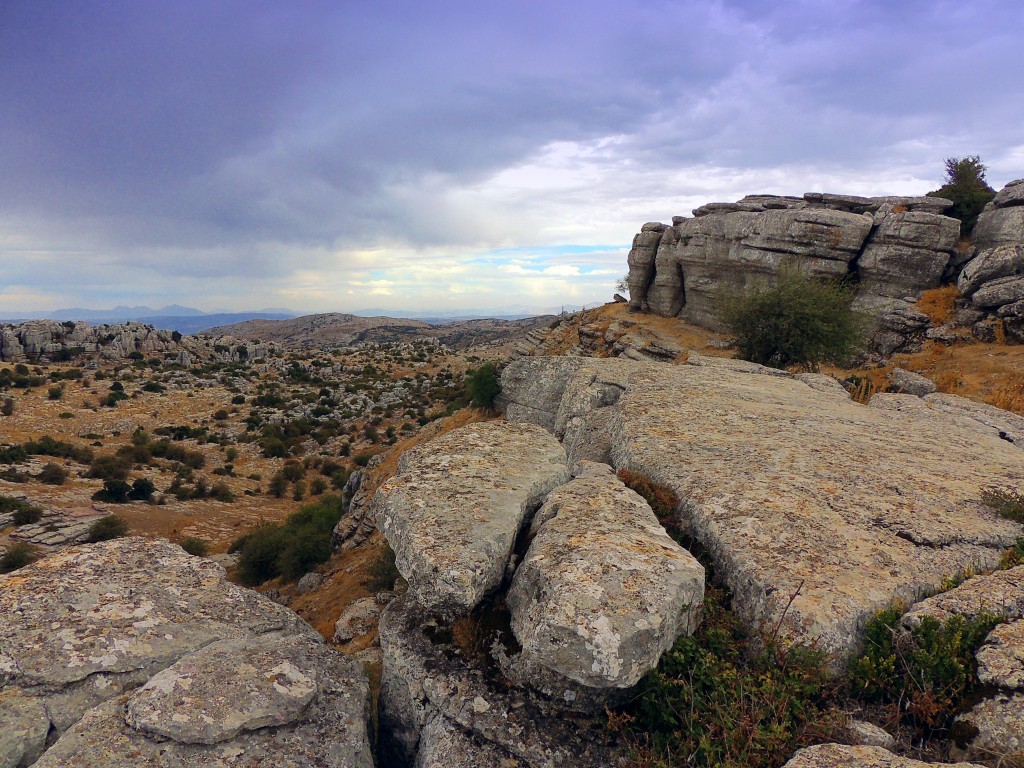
[(892, 247), (334, 329), (510, 588)]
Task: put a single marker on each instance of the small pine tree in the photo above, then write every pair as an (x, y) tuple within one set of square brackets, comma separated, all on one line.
[(966, 187), (482, 386)]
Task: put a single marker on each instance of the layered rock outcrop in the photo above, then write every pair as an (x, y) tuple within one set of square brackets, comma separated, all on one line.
[(49, 340), (816, 510), (895, 246), (132, 652)]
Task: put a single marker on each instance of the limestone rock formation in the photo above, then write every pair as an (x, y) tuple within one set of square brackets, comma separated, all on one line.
[(602, 591), (897, 247), (132, 652), (841, 756), (50, 340), (433, 696), (456, 505), (817, 510), (1001, 659), (1000, 593)]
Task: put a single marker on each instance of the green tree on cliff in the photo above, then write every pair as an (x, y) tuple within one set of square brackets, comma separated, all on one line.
[(966, 187)]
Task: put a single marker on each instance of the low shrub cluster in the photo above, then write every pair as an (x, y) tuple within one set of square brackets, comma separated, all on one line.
[(718, 698), (24, 512), (1006, 503), (923, 674), (291, 549), (17, 556), (106, 528)]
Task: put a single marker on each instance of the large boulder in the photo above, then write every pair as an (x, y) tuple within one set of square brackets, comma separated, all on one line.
[(84, 629), (641, 262), (602, 591), (817, 510), (453, 510)]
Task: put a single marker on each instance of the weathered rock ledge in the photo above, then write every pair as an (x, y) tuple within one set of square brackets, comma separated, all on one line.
[(816, 510), (133, 653)]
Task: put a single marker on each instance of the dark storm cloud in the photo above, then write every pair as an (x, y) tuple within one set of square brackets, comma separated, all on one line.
[(192, 140)]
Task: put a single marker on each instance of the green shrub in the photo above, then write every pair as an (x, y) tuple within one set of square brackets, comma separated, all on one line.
[(195, 546), (1006, 503), (924, 673), (383, 573), (106, 528), (799, 321), (55, 393), (17, 556), (482, 386), (24, 512), (114, 492), (718, 699), (142, 489), (290, 549), (7, 409), (52, 474), (110, 467), (221, 491)]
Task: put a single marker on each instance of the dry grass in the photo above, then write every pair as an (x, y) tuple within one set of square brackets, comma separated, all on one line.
[(939, 304)]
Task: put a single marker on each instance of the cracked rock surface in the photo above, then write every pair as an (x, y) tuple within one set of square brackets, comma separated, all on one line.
[(132, 652), (456, 505), (817, 510)]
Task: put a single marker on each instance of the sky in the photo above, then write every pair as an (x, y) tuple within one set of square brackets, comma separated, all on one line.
[(326, 155)]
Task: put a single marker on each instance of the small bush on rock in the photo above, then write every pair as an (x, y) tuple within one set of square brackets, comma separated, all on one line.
[(106, 528), (1006, 503), (383, 572), (52, 474), (24, 513), (18, 556), (799, 321), (195, 546), (924, 673)]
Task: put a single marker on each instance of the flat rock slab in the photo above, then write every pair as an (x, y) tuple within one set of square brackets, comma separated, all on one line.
[(1001, 659), (225, 688), (456, 505), (331, 731), (842, 756), (137, 628), (603, 590), (1000, 593), (817, 510)]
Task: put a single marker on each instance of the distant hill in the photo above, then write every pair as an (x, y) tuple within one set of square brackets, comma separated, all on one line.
[(338, 329), (173, 317)]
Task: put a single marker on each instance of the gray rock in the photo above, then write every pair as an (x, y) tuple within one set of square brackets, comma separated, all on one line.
[(999, 722), (842, 756), (532, 389), (1007, 425), (602, 591), (992, 264), (310, 582), (910, 383), (85, 628), (425, 677), (445, 745), (996, 293), (641, 262), (999, 226), (1001, 659), (25, 727), (453, 510), (784, 512), (1010, 195), (1000, 593), (906, 253), (867, 734), (358, 619), (228, 687), (330, 729)]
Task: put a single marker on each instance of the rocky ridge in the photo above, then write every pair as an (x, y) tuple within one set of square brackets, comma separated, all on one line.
[(50, 340), (893, 247)]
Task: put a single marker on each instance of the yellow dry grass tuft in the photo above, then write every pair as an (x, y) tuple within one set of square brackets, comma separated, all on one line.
[(939, 304)]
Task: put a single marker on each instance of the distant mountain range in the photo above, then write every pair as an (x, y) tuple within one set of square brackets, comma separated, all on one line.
[(173, 317)]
